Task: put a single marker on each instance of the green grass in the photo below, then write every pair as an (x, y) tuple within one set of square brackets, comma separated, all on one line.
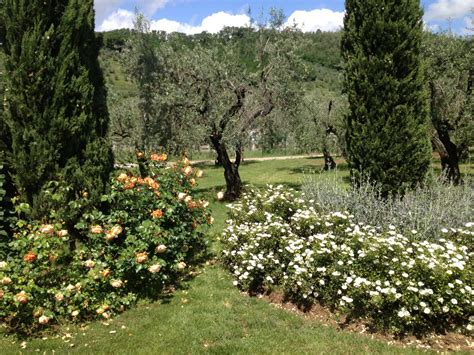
[(208, 314)]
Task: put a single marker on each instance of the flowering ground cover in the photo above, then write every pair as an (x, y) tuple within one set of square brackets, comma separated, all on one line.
[(276, 239)]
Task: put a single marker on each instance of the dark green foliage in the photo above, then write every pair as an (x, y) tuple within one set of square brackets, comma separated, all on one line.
[(56, 104), (387, 137)]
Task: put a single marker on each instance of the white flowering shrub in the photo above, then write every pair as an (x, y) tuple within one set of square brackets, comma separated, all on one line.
[(391, 280)]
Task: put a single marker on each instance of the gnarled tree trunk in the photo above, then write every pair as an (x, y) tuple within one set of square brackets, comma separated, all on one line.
[(231, 169), (448, 153)]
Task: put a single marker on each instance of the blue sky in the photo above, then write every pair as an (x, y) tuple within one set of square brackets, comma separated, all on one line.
[(192, 16)]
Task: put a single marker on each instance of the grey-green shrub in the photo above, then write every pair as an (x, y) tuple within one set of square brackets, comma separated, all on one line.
[(427, 209)]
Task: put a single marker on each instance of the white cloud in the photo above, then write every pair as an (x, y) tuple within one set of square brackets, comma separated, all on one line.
[(318, 19), (212, 24), (149, 7), (118, 19), (104, 7), (449, 9)]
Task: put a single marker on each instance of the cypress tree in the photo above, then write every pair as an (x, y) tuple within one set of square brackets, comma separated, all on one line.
[(387, 124), (55, 107)]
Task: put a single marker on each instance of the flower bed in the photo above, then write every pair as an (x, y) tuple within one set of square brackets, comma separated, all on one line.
[(276, 239), (145, 240)]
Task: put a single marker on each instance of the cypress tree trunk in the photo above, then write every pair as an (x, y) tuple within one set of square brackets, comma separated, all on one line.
[(387, 126), (56, 104)]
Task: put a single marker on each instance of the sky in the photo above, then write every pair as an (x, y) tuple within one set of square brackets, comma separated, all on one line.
[(195, 16)]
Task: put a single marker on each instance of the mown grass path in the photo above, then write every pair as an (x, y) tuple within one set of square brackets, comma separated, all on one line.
[(207, 314)]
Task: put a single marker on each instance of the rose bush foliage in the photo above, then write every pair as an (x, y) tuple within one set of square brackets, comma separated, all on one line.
[(276, 239), (150, 233)]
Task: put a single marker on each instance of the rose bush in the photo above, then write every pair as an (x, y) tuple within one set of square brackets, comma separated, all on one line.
[(276, 239), (144, 240)]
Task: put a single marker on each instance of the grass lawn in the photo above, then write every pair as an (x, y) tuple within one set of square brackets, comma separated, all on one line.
[(207, 314)]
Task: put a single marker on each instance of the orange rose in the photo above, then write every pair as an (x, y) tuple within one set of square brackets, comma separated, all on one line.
[(30, 257), (163, 157), (157, 193), (52, 257), (157, 213), (185, 161), (155, 157), (129, 186), (105, 272), (1, 294), (43, 320), (140, 155), (192, 182), (142, 257)]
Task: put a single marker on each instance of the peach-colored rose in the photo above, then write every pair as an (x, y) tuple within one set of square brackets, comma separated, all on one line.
[(182, 196), (105, 273), (96, 229), (193, 182), (110, 236), (62, 233), (187, 170), (22, 297), (106, 315), (43, 320), (85, 194), (210, 220), (204, 203), (155, 157), (185, 161), (187, 199), (140, 155), (116, 283), (47, 229), (74, 313), (59, 297), (122, 177), (6, 281), (154, 268), (157, 213), (116, 230), (2, 294), (220, 195), (89, 263), (160, 249), (199, 173), (99, 310), (142, 257), (181, 266)]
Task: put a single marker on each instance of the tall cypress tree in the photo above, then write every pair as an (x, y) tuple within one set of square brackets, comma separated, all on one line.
[(55, 108), (387, 126)]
